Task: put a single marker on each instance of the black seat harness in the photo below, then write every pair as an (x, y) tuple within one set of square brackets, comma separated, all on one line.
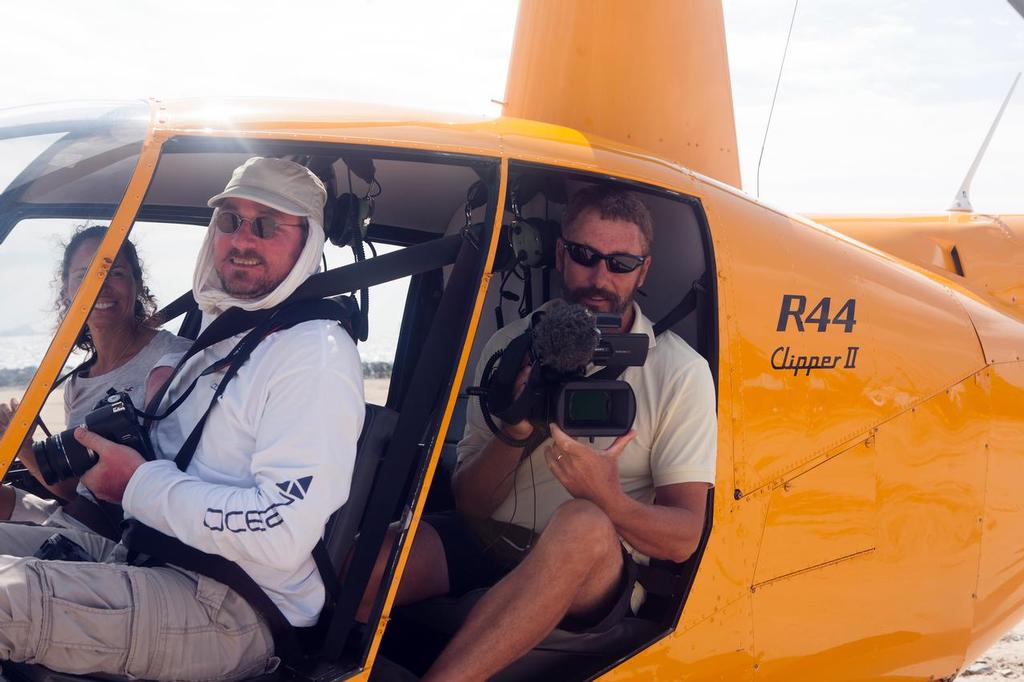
[(150, 547)]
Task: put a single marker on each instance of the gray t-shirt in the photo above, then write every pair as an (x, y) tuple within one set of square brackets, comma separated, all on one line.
[(82, 393)]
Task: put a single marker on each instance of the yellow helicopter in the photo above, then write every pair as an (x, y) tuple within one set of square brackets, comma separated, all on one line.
[(865, 517)]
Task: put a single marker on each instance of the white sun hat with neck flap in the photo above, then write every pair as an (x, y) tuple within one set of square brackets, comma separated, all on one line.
[(281, 185)]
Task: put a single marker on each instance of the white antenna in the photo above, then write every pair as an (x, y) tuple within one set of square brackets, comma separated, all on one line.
[(962, 201)]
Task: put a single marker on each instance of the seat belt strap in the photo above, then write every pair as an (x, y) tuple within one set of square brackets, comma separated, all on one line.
[(105, 522), (159, 549), (283, 318), (411, 260), (683, 308)]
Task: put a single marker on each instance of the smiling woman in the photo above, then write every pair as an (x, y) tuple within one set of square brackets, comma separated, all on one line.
[(122, 343), (72, 169)]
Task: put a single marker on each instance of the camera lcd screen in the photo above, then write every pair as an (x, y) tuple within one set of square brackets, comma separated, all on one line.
[(589, 406), (594, 408)]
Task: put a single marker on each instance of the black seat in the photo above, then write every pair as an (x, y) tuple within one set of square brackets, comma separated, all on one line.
[(417, 633)]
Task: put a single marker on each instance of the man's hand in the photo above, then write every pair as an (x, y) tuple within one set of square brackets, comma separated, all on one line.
[(108, 478), (586, 473), (25, 449), (7, 416), (524, 429), (7, 413)]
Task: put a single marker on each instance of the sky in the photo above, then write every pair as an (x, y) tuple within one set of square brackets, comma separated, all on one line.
[(882, 104)]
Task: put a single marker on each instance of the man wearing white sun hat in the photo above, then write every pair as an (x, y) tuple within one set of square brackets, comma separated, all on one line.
[(272, 463)]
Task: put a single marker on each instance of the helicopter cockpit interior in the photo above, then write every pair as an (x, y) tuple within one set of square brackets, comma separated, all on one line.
[(434, 210), (675, 295)]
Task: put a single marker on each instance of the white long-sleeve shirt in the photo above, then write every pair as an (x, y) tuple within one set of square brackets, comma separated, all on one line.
[(274, 462)]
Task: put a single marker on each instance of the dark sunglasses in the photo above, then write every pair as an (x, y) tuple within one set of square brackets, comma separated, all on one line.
[(618, 263), (263, 227)]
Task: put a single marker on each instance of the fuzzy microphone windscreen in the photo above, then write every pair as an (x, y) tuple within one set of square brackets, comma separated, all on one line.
[(564, 339)]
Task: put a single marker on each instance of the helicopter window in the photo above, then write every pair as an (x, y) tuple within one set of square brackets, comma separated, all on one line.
[(30, 258), (58, 170), (402, 201)]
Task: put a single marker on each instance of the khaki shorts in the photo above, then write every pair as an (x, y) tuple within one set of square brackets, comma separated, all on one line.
[(107, 617)]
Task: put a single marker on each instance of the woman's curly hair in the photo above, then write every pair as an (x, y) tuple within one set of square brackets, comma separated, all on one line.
[(145, 303)]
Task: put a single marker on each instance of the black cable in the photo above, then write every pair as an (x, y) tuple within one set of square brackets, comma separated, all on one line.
[(499, 313), (526, 302)]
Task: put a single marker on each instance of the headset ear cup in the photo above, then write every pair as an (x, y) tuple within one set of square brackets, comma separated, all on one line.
[(351, 216), (533, 241)]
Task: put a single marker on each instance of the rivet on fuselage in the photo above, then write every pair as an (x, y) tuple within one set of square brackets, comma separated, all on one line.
[(737, 494)]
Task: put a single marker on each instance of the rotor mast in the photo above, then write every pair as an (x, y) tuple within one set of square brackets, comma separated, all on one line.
[(652, 74)]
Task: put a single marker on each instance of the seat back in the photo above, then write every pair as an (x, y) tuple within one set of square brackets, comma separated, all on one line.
[(340, 532)]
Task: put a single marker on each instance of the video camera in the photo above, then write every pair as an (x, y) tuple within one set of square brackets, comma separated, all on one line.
[(561, 342), (61, 456)]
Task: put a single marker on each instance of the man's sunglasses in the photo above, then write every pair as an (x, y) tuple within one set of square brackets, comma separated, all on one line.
[(263, 227), (618, 263)]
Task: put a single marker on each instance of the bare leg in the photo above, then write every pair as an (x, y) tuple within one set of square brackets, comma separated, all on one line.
[(425, 575), (574, 568)]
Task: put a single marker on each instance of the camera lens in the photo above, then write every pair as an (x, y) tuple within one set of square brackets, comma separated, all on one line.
[(61, 457)]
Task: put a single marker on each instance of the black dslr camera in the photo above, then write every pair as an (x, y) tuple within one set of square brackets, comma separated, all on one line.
[(561, 342), (61, 456)]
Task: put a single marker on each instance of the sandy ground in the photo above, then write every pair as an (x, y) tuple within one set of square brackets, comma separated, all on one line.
[(1004, 661)]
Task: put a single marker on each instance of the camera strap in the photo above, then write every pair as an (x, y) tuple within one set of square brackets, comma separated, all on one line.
[(232, 322), (283, 318)]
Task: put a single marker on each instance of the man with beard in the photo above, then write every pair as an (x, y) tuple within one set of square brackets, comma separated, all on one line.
[(272, 463), (556, 531)]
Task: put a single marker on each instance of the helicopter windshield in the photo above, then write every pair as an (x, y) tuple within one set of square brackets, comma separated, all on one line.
[(60, 166)]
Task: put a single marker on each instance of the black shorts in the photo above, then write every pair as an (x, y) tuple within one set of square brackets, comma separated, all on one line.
[(480, 553)]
